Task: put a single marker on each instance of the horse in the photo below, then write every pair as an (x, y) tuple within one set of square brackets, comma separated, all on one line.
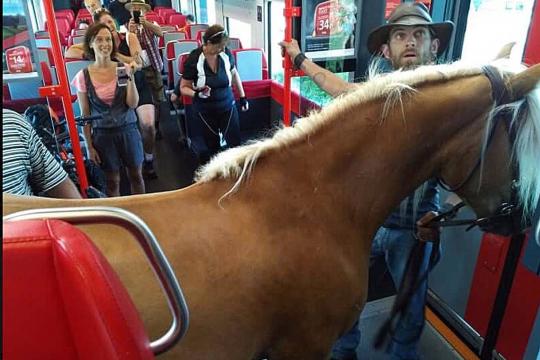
[(271, 243)]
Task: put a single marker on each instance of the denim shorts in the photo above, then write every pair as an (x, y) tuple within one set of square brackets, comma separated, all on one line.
[(118, 146)]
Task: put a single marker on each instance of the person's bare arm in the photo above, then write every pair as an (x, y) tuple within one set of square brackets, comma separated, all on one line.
[(84, 105), (186, 88), (66, 189), (326, 80), (156, 29), (75, 52), (237, 82), (132, 95), (135, 50)]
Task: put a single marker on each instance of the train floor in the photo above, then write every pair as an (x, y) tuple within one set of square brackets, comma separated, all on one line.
[(431, 346), (175, 165)]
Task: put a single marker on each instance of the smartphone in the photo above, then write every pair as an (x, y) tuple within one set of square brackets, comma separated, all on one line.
[(136, 16), (122, 76)]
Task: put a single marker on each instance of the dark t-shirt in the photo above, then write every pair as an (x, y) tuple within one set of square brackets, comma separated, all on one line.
[(221, 96), (119, 12)]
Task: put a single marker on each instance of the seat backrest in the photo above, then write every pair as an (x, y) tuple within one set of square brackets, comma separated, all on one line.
[(194, 28), (45, 54), (200, 36), (177, 20), (164, 13), (72, 68), (68, 13), (61, 298), (78, 39), (251, 64), (43, 42), (78, 32), (46, 73), (234, 43), (173, 35), (174, 49), (155, 18)]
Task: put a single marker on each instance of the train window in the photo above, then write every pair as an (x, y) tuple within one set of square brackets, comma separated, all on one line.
[(211, 12), (241, 30), (276, 33), (492, 24), (19, 60)]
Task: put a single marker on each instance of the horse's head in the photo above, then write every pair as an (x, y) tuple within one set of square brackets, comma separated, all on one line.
[(501, 179)]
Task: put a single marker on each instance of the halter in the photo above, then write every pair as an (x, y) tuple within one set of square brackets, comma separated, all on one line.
[(507, 218)]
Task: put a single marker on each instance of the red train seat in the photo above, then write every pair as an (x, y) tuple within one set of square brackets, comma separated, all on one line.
[(62, 299)]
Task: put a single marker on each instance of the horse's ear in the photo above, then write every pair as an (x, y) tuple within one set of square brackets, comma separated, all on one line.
[(522, 83), (505, 51)]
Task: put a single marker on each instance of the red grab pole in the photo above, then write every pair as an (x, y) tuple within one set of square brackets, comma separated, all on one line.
[(289, 12), (63, 90)]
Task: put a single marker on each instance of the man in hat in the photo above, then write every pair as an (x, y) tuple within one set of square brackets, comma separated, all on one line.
[(409, 39), (148, 33)]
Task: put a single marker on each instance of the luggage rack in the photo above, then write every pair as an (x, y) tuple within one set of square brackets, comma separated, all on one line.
[(146, 239)]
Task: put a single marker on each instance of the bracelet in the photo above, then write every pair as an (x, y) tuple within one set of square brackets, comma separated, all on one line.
[(299, 59)]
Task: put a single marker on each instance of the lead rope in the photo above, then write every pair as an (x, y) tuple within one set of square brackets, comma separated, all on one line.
[(409, 285)]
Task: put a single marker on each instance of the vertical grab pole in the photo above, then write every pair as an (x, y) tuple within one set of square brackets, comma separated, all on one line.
[(63, 90), (287, 65), (289, 12)]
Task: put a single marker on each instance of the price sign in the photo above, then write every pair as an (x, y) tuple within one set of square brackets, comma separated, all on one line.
[(19, 60), (327, 18)]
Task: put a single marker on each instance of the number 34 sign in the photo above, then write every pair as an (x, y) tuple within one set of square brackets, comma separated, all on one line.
[(18, 60)]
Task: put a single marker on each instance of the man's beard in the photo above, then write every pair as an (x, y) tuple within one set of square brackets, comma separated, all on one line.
[(404, 63)]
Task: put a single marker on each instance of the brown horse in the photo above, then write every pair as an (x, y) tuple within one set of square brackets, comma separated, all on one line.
[(273, 257)]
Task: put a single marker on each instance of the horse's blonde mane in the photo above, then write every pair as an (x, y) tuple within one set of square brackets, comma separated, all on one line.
[(238, 162)]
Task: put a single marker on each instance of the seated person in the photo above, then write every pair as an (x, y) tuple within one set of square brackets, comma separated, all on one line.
[(190, 19), (28, 167)]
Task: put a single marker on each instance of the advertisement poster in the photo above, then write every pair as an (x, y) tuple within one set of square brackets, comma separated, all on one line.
[(18, 60), (16, 41), (329, 27)]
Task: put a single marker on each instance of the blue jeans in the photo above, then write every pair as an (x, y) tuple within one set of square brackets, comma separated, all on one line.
[(395, 245)]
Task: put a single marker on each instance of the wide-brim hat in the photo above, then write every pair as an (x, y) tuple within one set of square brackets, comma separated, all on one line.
[(130, 4), (410, 14)]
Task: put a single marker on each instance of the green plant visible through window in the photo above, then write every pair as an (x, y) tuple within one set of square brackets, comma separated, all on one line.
[(308, 89)]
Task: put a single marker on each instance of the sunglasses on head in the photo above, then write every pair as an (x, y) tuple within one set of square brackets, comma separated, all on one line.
[(222, 32)]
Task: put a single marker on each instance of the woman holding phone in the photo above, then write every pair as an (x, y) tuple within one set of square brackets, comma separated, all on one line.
[(209, 73), (108, 88), (128, 50)]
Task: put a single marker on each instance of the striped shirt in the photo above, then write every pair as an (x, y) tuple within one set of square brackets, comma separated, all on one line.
[(148, 41), (28, 168)]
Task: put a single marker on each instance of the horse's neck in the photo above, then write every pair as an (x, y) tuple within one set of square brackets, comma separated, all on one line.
[(366, 166)]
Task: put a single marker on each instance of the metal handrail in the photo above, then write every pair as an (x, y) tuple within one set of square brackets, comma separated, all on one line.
[(146, 239)]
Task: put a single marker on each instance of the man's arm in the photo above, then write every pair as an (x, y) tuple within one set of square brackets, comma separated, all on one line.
[(156, 29), (47, 174), (326, 80), (66, 189)]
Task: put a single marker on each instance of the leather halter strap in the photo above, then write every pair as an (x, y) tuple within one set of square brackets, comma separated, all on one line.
[(498, 88), (498, 93)]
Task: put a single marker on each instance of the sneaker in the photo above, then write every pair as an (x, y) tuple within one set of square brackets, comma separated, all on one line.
[(148, 170)]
